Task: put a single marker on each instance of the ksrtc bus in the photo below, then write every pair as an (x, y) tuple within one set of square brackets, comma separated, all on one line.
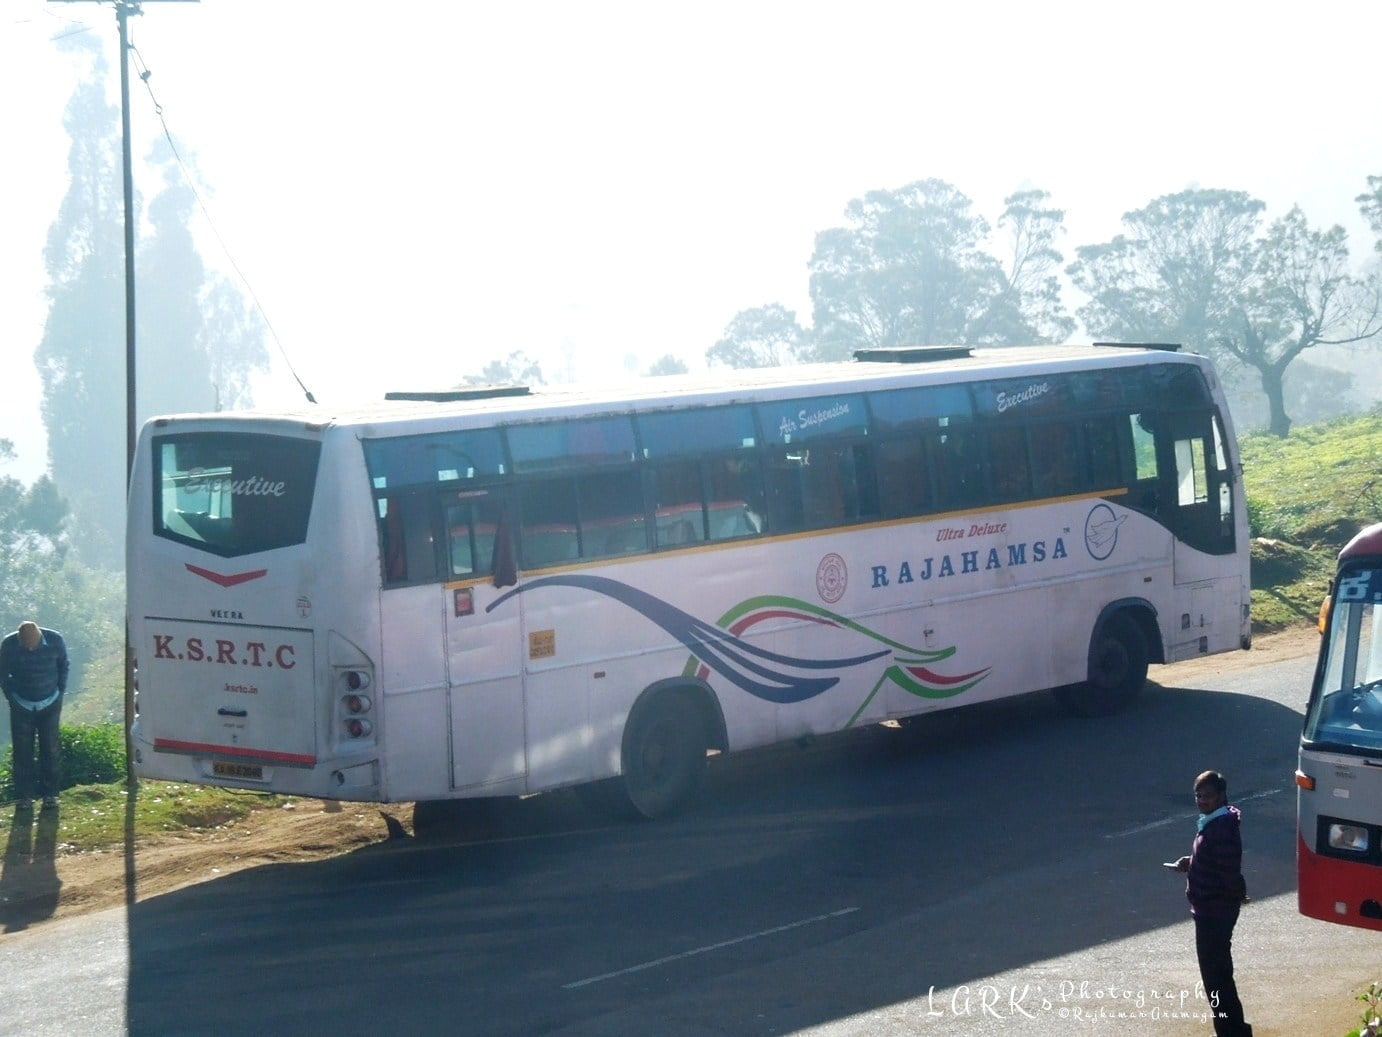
[(507, 591), (1339, 794)]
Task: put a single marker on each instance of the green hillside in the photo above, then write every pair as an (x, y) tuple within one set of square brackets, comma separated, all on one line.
[(1308, 494)]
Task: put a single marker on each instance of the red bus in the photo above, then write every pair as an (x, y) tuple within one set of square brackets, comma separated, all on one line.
[(1339, 780)]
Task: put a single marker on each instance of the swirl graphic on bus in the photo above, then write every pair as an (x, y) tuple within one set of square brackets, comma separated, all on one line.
[(774, 676)]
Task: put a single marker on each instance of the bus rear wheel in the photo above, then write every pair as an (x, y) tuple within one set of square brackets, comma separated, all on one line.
[(1118, 661), (663, 755)]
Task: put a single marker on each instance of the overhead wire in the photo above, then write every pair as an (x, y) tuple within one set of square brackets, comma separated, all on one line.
[(144, 74)]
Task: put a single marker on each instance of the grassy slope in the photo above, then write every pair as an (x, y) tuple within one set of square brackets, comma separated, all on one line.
[(1308, 495)]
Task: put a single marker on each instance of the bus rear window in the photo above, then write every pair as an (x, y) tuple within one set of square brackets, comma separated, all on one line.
[(233, 494)]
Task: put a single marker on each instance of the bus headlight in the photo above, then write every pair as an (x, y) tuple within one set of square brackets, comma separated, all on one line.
[(1353, 838)]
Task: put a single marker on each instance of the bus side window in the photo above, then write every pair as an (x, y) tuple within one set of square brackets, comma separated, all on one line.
[(1104, 454), (1011, 469), (1192, 476), (785, 507), (959, 467), (406, 539), (471, 528), (1225, 480), (734, 492), (1056, 460), (391, 546), (837, 485), (612, 517), (676, 500), (549, 531), (1144, 462), (903, 483)]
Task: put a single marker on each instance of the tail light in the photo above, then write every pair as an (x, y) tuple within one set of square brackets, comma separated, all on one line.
[(355, 707)]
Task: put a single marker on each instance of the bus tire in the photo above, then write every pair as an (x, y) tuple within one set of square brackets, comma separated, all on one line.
[(664, 750), (1118, 659)]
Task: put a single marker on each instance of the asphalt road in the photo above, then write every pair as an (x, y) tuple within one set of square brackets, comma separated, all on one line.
[(992, 870)]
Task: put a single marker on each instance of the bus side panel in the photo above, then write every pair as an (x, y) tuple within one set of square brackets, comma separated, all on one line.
[(413, 689), (1206, 617)]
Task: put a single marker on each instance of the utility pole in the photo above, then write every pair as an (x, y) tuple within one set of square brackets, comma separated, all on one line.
[(123, 10)]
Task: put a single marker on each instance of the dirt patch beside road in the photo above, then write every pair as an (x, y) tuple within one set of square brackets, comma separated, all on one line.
[(1291, 643), (35, 887)]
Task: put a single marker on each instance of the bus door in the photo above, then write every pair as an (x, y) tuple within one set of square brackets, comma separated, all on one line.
[(1197, 491), (1197, 504), (484, 650)]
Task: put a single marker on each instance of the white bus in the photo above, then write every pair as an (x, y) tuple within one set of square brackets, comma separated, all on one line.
[(497, 593)]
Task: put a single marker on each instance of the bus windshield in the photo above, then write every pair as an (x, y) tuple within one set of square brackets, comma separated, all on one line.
[(233, 493), (1348, 709)]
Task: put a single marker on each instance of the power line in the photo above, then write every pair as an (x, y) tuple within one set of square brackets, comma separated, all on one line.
[(144, 74)]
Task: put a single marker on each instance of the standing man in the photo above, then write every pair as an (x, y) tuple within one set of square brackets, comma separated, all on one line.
[(1216, 890), (33, 675)]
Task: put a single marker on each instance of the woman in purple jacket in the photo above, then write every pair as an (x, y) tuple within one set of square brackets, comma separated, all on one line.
[(1216, 890)]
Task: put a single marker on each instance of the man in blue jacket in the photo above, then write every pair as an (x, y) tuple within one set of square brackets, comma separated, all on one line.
[(33, 675), (1216, 890)]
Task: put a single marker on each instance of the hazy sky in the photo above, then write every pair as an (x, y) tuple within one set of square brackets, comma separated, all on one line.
[(413, 190)]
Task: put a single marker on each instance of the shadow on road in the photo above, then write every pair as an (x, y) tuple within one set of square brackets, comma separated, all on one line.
[(809, 884), (29, 884)]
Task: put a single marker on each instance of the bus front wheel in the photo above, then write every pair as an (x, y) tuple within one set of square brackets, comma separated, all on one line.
[(1118, 661), (663, 755)]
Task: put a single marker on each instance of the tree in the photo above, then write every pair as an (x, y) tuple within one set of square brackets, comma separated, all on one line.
[(1300, 295), (909, 269), (1174, 276), (666, 365), (1194, 270), (1312, 393), (1370, 204), (39, 579), (766, 336), (1030, 309), (197, 341), (205, 342), (80, 358), (518, 369)]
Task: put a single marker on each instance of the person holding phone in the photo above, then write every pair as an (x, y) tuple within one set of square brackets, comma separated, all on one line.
[(1216, 890)]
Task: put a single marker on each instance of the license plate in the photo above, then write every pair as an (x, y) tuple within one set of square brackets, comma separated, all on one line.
[(242, 771)]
